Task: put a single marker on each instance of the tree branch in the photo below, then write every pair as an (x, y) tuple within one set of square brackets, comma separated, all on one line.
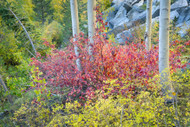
[(24, 30)]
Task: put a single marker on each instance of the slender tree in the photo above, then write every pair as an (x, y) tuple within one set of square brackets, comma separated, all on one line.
[(164, 43), (148, 25), (75, 29), (24, 30), (5, 88), (91, 22)]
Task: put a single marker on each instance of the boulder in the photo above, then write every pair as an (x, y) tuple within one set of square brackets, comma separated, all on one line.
[(138, 9), (141, 17), (123, 26), (155, 11), (183, 28), (126, 35), (187, 14), (155, 2), (117, 2), (184, 15), (134, 12), (173, 15), (132, 2), (179, 4), (132, 15), (129, 12), (119, 17), (109, 14), (127, 6), (138, 2)]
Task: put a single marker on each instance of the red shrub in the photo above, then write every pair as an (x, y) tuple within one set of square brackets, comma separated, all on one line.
[(131, 62)]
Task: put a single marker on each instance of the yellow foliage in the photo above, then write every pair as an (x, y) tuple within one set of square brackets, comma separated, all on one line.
[(148, 108)]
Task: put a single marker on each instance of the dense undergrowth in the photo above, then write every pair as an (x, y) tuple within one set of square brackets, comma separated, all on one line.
[(119, 87)]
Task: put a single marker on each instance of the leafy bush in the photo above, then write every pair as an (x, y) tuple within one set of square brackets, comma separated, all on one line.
[(148, 108), (54, 33), (109, 62), (119, 86)]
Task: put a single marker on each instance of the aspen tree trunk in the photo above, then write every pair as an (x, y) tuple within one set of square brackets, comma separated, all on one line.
[(75, 29), (91, 22), (164, 44), (5, 88), (24, 30), (148, 32)]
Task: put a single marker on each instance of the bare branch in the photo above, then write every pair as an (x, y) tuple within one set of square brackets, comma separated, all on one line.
[(24, 30)]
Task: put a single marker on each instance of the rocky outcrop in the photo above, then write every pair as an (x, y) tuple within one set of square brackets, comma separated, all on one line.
[(124, 14)]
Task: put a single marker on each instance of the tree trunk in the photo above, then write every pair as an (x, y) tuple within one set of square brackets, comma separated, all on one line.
[(75, 29), (24, 30), (148, 25), (5, 88), (164, 44), (91, 22)]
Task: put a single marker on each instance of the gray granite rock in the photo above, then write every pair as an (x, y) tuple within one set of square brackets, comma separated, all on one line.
[(183, 28), (173, 15), (129, 12), (179, 4), (126, 35), (184, 15)]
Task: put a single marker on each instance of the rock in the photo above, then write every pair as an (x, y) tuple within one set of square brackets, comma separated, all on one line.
[(109, 14), (118, 29), (127, 6), (184, 27), (134, 12), (138, 9), (121, 38), (129, 12), (141, 17), (132, 2), (155, 19), (133, 15), (179, 4), (155, 11), (112, 4), (127, 35), (138, 2), (117, 2), (173, 15), (119, 17), (184, 15), (155, 2), (125, 23)]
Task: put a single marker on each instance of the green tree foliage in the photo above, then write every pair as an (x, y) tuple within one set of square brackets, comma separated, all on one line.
[(54, 33), (43, 10)]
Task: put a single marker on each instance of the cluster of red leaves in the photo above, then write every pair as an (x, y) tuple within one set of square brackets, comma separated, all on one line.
[(130, 62)]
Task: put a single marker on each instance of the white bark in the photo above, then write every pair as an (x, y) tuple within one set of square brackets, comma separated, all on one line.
[(148, 25), (5, 88), (91, 22), (164, 42), (24, 30), (75, 29)]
